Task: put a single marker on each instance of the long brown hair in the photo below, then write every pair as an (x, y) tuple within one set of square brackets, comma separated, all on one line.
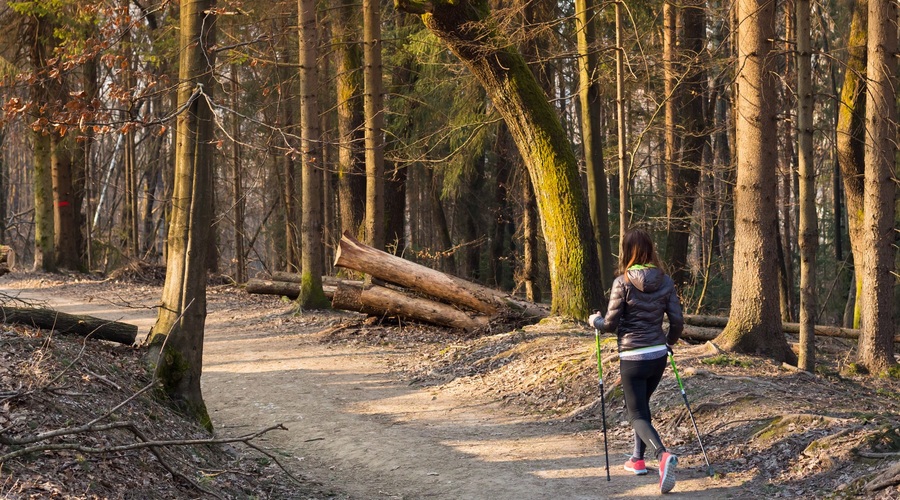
[(637, 248)]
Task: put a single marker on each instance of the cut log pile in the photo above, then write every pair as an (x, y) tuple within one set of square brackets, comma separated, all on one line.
[(404, 289)]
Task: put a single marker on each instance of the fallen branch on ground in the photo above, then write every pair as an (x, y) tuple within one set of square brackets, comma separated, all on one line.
[(97, 328)]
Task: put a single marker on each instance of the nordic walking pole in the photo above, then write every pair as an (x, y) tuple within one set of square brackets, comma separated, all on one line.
[(602, 400), (709, 469)]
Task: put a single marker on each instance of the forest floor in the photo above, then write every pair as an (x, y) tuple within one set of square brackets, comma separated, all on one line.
[(377, 410)]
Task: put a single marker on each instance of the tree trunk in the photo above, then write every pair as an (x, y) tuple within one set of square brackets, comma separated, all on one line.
[(505, 156), (808, 237), (349, 85), (851, 140), (754, 324), (683, 179), (44, 251), (373, 106), (237, 174), (65, 229), (541, 140), (624, 171), (5, 253), (95, 328), (311, 264), (380, 301), (176, 340), (876, 351), (530, 243), (592, 139), (354, 255)]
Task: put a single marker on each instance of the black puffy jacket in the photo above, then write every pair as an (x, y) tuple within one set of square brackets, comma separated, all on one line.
[(636, 309)]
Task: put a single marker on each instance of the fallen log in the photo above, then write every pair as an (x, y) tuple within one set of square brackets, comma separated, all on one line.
[(820, 330), (291, 289), (269, 287), (285, 276), (352, 254), (380, 301), (96, 328)]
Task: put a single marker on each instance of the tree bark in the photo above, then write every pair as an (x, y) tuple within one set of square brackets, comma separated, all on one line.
[(876, 351), (380, 301), (348, 89), (754, 325), (65, 240), (808, 237), (851, 140), (373, 105), (312, 245), (683, 177), (237, 179), (95, 328), (176, 340), (354, 255), (592, 139), (544, 146), (41, 48)]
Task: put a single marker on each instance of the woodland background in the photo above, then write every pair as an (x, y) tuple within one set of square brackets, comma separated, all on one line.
[(89, 144)]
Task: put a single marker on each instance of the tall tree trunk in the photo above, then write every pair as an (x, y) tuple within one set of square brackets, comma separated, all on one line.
[(505, 156), (876, 347), (311, 264), (754, 325), (808, 237), (440, 229), (592, 138), (672, 147), (374, 125), (41, 93), (287, 146), (237, 174), (546, 150), (530, 242), (64, 222), (129, 151), (683, 178), (624, 172), (349, 85), (176, 340), (851, 141)]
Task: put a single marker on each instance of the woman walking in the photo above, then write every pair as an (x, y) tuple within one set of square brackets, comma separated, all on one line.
[(639, 298)]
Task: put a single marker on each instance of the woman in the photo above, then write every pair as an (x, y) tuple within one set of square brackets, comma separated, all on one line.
[(639, 298)]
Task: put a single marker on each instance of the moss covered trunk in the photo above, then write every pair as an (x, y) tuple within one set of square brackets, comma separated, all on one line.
[(851, 139), (573, 264), (176, 340), (348, 83)]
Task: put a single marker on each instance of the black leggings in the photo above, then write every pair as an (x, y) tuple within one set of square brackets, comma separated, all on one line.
[(639, 379)]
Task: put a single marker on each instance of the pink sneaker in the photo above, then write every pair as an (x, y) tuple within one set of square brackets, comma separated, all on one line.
[(667, 463), (636, 466)]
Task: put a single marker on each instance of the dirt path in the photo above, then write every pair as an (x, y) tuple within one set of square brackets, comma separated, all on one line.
[(358, 429)]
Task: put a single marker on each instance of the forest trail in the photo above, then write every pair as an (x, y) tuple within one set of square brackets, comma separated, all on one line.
[(360, 430)]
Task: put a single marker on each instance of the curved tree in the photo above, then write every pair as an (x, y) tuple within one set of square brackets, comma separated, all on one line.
[(466, 28)]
